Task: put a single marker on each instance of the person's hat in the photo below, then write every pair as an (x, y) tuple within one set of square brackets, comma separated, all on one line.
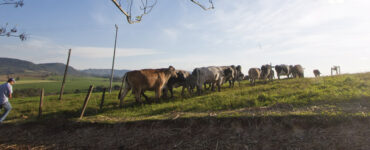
[(11, 79)]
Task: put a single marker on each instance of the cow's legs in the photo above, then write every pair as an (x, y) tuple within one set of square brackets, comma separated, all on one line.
[(146, 97), (182, 91), (158, 93), (219, 87), (199, 89), (212, 86), (123, 95), (138, 95), (171, 91), (253, 82), (165, 92)]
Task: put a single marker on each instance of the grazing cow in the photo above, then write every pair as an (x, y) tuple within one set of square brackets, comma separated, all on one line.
[(147, 79), (191, 83), (239, 75), (335, 69), (283, 70), (232, 77), (316, 72), (213, 75), (235, 71), (266, 72), (254, 74), (272, 75), (175, 82), (298, 71)]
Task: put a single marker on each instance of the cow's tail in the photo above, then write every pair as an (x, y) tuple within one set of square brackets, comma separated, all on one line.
[(124, 83)]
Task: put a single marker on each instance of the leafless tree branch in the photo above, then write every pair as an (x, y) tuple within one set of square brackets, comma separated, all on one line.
[(146, 7), (18, 3), (12, 33), (4, 31), (202, 6)]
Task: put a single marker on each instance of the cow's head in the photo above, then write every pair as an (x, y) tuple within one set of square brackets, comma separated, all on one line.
[(239, 68), (291, 67), (228, 73), (278, 67), (172, 71), (266, 69)]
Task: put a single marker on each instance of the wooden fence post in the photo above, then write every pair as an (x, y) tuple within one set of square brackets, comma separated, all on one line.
[(65, 75), (86, 101), (41, 102), (102, 99)]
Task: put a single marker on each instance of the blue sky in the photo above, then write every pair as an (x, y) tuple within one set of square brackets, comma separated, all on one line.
[(315, 33)]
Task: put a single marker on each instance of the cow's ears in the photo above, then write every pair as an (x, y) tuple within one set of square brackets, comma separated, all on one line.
[(171, 68)]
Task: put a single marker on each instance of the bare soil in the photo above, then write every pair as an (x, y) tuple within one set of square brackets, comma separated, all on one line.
[(287, 132)]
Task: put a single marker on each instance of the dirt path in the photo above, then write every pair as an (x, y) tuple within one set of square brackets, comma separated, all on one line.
[(291, 132)]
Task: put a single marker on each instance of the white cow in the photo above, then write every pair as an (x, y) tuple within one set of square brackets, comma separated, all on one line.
[(213, 75)]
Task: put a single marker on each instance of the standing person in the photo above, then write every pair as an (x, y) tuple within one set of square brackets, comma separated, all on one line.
[(6, 91)]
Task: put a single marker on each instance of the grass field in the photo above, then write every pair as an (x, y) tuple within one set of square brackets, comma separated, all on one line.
[(297, 106), (328, 92)]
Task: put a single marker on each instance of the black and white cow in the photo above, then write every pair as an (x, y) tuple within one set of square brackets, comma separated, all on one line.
[(283, 70), (175, 82), (267, 72), (214, 75)]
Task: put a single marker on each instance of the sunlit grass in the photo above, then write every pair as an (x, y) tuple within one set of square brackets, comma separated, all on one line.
[(324, 96)]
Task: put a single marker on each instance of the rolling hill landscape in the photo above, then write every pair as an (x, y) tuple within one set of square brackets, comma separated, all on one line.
[(199, 75), (22, 68)]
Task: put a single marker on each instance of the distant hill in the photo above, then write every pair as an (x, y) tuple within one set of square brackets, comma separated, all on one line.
[(27, 68), (59, 68), (104, 72), (17, 66), (11, 66)]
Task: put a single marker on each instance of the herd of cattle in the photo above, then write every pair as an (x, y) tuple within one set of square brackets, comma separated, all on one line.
[(165, 79)]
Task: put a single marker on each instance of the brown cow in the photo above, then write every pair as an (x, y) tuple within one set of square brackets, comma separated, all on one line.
[(254, 74), (147, 79)]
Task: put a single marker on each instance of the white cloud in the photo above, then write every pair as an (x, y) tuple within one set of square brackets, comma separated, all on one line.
[(103, 52), (43, 50)]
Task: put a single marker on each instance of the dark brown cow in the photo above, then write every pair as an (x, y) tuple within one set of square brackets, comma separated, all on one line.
[(175, 82), (316, 72), (147, 79)]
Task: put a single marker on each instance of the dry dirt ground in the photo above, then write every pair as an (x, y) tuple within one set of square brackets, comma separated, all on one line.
[(283, 132)]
